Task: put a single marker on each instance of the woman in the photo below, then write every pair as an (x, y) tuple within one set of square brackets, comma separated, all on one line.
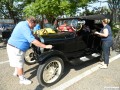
[(106, 37)]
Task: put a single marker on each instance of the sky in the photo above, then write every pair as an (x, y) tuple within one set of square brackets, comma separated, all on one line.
[(101, 3)]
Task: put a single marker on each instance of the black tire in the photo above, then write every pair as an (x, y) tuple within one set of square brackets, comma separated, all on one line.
[(54, 70), (29, 57)]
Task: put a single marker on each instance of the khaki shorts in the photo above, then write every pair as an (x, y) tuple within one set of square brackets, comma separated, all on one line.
[(16, 56)]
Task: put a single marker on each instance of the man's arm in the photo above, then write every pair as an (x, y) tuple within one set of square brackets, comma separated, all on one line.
[(39, 44)]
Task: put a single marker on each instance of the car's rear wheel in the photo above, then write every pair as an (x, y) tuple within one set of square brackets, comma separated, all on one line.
[(29, 57), (50, 72)]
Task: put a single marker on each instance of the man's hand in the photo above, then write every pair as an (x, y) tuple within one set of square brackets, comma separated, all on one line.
[(40, 44)]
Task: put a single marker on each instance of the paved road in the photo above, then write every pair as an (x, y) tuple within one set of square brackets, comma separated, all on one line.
[(85, 76)]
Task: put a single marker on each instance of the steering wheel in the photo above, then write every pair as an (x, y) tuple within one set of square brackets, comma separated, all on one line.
[(74, 24), (77, 25)]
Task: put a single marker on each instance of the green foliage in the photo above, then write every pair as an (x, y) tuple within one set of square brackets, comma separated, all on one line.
[(114, 6), (116, 28), (13, 8), (54, 8), (49, 8)]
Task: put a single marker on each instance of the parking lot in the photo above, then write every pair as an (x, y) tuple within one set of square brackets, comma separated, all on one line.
[(86, 76)]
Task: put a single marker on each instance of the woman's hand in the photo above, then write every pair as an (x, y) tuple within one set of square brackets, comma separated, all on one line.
[(48, 46), (97, 33)]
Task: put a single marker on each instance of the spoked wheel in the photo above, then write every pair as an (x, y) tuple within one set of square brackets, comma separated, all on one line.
[(50, 72), (29, 57)]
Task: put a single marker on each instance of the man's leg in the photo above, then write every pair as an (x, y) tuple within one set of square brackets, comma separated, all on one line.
[(16, 59), (15, 72), (23, 80), (20, 71)]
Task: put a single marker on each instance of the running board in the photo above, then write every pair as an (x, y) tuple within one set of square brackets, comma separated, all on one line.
[(84, 58)]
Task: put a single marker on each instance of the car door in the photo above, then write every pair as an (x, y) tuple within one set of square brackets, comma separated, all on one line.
[(74, 43)]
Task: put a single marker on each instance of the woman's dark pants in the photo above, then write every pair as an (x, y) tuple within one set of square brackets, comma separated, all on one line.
[(106, 50)]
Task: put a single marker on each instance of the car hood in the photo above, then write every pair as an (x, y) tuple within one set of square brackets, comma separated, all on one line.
[(57, 37)]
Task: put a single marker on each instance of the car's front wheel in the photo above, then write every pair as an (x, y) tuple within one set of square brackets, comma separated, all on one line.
[(50, 72)]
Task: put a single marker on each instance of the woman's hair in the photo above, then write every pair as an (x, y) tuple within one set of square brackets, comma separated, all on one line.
[(106, 20)]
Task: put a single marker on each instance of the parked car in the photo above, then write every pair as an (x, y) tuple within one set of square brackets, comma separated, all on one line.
[(68, 47), (7, 30)]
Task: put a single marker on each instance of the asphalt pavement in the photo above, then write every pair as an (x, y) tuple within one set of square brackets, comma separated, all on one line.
[(86, 76)]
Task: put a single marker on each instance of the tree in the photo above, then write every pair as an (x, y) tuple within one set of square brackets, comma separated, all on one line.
[(50, 8), (53, 8), (13, 8), (114, 6)]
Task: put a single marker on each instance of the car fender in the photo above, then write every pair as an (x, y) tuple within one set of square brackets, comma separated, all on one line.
[(51, 53)]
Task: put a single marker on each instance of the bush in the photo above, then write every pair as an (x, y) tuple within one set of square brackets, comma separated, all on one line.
[(115, 28)]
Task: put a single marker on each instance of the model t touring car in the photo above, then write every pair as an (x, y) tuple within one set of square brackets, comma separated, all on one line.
[(80, 45)]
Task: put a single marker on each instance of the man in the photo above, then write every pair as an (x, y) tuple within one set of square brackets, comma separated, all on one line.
[(49, 25), (37, 27), (18, 43)]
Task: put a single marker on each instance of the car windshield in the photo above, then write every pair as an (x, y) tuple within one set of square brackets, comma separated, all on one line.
[(75, 23), (70, 22)]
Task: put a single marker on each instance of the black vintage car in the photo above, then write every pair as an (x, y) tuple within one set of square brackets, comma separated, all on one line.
[(77, 46)]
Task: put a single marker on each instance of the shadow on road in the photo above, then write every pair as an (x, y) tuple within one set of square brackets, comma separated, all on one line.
[(33, 71)]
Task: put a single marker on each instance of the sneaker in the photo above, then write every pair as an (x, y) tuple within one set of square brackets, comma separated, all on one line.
[(104, 67), (15, 74), (102, 63), (25, 81)]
